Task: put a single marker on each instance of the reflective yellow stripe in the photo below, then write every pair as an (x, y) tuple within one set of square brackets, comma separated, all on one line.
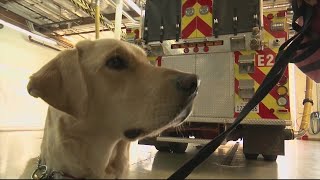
[(187, 19)]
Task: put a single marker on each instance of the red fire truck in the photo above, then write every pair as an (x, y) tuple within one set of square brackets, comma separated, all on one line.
[(231, 45)]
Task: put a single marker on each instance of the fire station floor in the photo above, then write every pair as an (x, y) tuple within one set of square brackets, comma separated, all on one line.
[(301, 160)]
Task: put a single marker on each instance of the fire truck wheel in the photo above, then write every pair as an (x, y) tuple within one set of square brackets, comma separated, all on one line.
[(162, 147), (251, 156), (270, 157), (178, 147)]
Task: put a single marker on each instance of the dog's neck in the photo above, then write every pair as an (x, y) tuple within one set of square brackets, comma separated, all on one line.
[(84, 156)]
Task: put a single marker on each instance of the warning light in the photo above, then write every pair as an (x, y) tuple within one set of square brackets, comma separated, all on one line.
[(282, 101), (175, 46), (196, 49), (282, 90), (206, 49)]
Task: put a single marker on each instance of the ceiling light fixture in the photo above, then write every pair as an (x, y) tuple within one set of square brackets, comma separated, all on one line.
[(34, 36)]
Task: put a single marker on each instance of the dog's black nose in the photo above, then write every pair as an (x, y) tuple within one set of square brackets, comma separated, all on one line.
[(188, 83)]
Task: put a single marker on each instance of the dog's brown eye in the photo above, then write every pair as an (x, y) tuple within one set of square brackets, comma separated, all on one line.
[(117, 63)]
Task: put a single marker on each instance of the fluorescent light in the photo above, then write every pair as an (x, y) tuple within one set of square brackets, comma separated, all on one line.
[(34, 36), (134, 6), (114, 5)]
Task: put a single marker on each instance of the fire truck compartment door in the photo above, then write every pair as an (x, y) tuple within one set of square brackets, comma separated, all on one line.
[(185, 63), (237, 14), (216, 91), (168, 11)]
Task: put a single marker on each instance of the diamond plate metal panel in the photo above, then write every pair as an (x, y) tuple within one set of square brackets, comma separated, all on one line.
[(245, 121), (185, 63), (216, 92)]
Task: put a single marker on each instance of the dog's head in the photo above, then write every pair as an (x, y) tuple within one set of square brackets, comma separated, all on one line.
[(111, 87)]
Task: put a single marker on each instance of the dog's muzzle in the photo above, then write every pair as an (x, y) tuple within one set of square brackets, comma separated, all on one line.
[(186, 110), (188, 83)]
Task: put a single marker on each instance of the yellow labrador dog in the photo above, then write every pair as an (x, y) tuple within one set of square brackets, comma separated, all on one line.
[(102, 95)]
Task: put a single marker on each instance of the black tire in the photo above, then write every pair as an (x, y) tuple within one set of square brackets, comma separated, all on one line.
[(270, 157), (178, 148), (251, 156), (162, 147)]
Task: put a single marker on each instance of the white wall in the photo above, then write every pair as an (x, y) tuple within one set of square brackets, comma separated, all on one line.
[(91, 36), (19, 58), (300, 79)]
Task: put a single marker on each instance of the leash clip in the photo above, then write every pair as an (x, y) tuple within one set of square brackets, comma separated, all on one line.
[(40, 172)]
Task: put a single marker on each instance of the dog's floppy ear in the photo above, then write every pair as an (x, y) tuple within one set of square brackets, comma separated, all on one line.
[(61, 82)]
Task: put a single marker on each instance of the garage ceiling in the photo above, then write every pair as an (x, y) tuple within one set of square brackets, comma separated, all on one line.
[(65, 21), (65, 17)]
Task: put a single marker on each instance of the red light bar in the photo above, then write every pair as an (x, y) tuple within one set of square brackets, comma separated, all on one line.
[(209, 43), (200, 44), (183, 45), (217, 43), (175, 46), (197, 44)]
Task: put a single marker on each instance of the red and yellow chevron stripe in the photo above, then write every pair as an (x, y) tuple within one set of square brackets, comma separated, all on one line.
[(268, 108), (264, 60), (198, 22)]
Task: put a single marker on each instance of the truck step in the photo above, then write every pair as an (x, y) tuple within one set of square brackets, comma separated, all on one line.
[(185, 140)]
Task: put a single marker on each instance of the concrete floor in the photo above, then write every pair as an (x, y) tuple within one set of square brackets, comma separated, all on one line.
[(301, 160)]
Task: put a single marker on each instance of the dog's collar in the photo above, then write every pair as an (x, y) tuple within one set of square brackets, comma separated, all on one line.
[(43, 172)]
